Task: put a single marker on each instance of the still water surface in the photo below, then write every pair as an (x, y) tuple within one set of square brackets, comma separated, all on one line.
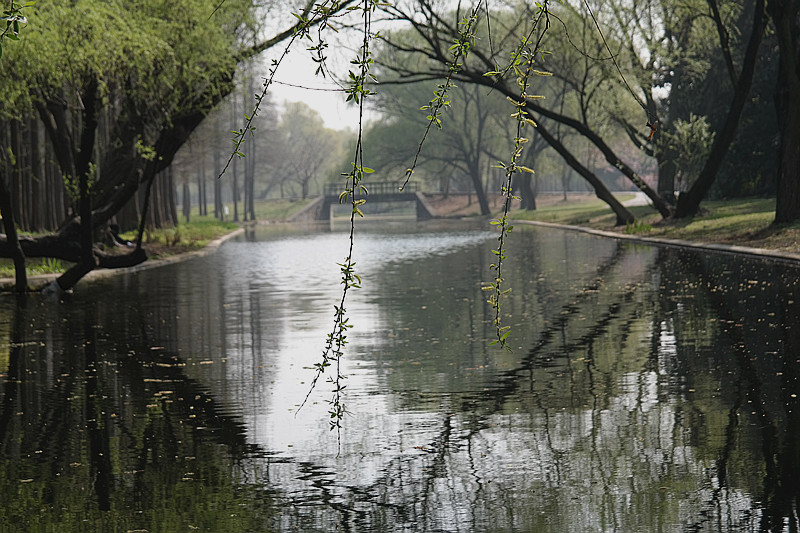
[(648, 389)]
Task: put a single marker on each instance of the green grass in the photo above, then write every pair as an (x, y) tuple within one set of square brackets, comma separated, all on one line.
[(195, 234), (719, 221), (34, 266), (742, 221), (583, 211), (168, 241)]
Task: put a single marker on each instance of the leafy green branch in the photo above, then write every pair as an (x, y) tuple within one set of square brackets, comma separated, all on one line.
[(13, 16), (357, 91), (460, 51), (521, 64)]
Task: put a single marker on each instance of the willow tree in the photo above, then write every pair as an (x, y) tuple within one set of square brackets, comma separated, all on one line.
[(119, 87)]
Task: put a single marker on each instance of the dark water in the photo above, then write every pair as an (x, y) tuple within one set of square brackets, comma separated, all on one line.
[(649, 390)]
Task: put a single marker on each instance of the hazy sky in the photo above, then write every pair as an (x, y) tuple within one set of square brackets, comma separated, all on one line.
[(298, 83)]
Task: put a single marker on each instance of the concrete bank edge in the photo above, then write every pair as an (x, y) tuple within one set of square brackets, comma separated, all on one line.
[(675, 243), (37, 282)]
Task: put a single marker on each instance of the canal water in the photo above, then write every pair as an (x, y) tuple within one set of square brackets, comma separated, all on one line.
[(647, 390)]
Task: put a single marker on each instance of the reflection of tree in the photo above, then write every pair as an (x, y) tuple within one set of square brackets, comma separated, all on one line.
[(753, 388), (594, 428), (759, 418), (11, 388), (129, 424)]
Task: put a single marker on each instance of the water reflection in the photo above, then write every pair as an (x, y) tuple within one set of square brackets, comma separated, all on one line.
[(649, 390)]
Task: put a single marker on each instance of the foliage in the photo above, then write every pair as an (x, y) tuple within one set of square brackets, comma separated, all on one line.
[(304, 149), (149, 51), (14, 17), (691, 141)]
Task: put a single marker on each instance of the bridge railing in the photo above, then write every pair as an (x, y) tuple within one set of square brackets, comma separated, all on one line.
[(375, 187)]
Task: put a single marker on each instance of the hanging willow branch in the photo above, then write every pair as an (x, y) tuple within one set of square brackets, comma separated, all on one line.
[(522, 64), (460, 50), (333, 351)]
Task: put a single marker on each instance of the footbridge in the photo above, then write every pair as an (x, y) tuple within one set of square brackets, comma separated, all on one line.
[(378, 192)]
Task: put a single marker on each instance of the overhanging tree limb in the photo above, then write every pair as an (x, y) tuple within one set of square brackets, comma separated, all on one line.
[(471, 74)]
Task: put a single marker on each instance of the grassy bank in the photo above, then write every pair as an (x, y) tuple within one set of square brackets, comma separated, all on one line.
[(184, 237), (159, 243), (743, 221)]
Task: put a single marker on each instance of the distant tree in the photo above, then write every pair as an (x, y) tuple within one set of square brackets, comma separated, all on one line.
[(463, 146), (307, 149)]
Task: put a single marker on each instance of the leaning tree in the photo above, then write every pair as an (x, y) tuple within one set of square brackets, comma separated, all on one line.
[(119, 88)]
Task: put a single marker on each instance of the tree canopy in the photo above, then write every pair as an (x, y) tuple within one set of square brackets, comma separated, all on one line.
[(118, 87)]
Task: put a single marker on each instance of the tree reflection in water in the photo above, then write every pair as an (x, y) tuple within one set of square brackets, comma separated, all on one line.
[(655, 390), (94, 438)]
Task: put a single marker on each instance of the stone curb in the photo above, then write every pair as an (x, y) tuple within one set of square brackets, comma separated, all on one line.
[(675, 243), (39, 281)]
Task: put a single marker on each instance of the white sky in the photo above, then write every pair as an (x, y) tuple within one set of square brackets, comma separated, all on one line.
[(321, 94), (297, 69), (299, 84)]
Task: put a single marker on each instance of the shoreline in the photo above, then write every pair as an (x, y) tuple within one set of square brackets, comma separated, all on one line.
[(764, 253), (37, 282)]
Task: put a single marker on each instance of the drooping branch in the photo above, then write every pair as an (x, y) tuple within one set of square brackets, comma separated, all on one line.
[(475, 75)]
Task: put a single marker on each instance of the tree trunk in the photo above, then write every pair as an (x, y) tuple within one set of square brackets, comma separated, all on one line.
[(143, 218), (83, 168), (623, 215), (480, 192), (689, 203), (218, 212), (171, 197), (787, 208), (666, 175), (36, 178), (16, 172), (7, 212), (784, 15), (187, 202), (201, 188), (250, 179), (525, 181), (234, 163)]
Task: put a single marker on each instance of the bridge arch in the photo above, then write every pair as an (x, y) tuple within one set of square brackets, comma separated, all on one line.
[(378, 192)]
